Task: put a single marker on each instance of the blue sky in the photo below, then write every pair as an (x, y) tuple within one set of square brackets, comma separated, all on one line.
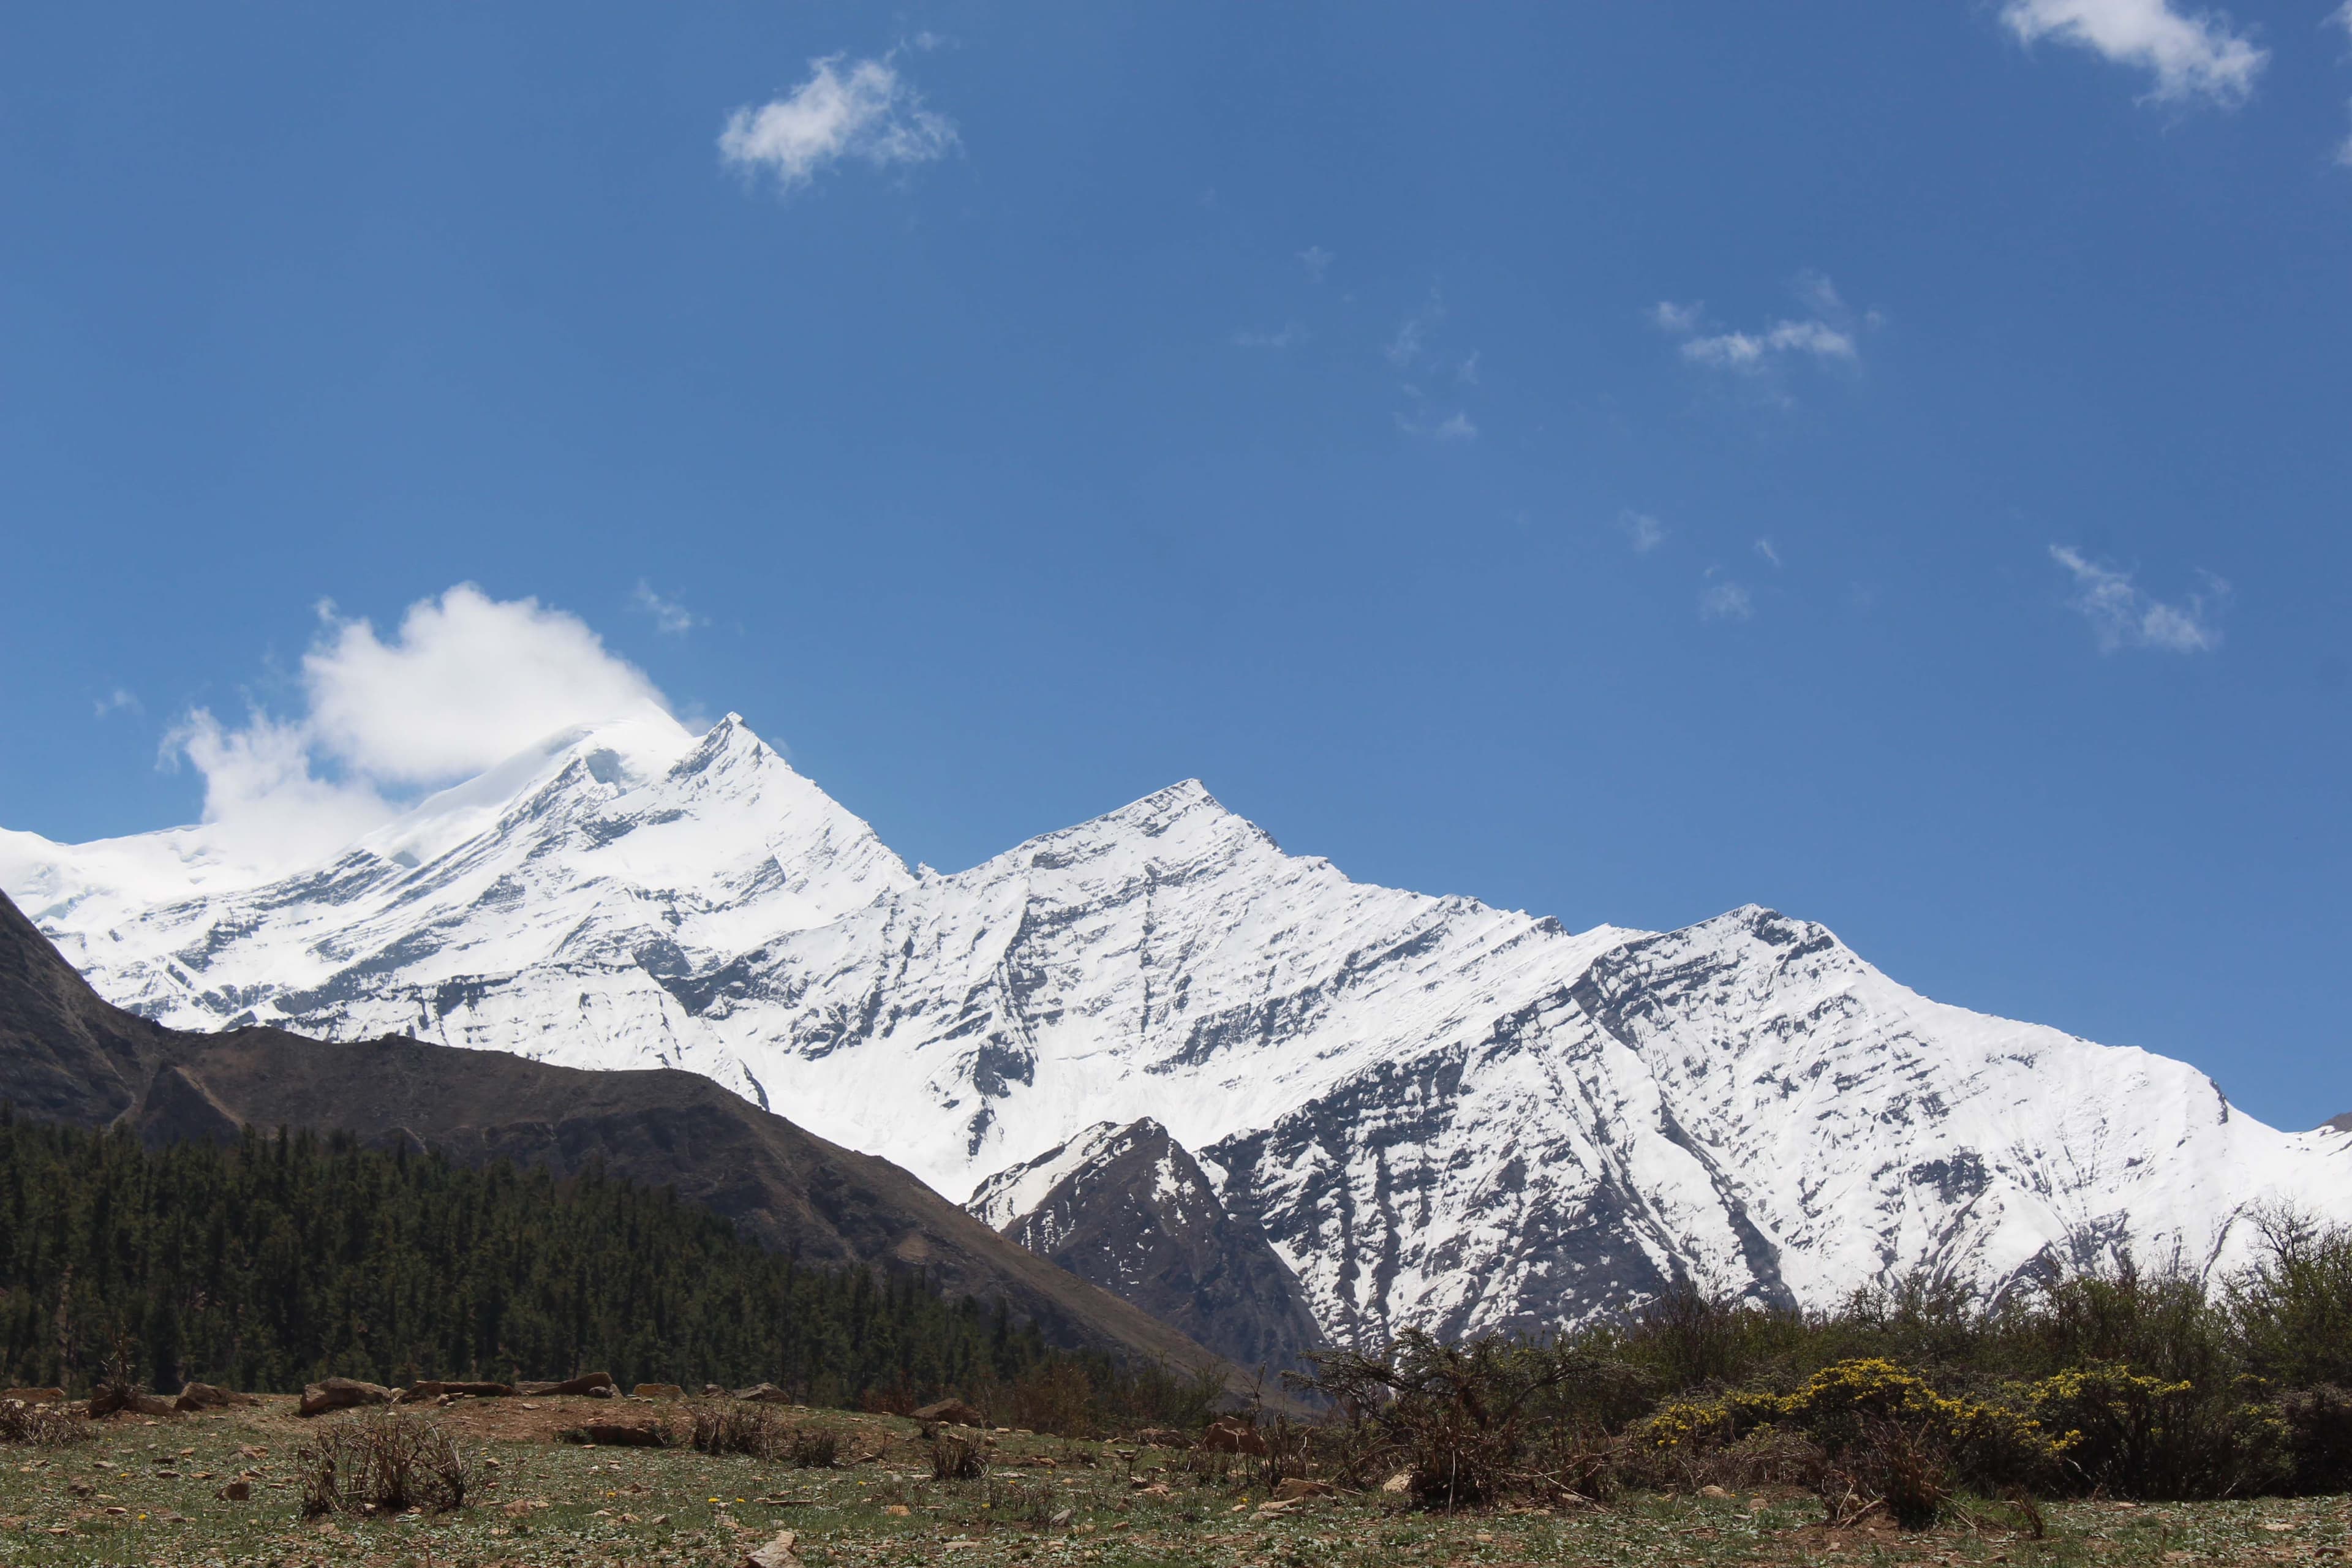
[(1889, 462)]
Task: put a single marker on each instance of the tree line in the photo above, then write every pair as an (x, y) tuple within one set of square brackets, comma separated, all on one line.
[(281, 1258)]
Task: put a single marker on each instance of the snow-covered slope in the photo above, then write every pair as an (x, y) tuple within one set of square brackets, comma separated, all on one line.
[(1439, 1112)]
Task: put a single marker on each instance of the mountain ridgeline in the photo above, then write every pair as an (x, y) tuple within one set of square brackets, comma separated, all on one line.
[(1270, 1104)]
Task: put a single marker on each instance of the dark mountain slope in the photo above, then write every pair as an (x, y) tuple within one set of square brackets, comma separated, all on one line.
[(1131, 1210), (67, 1056)]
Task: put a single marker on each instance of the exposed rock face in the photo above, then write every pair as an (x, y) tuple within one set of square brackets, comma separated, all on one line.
[(341, 1394), (1128, 1208), (1436, 1112)]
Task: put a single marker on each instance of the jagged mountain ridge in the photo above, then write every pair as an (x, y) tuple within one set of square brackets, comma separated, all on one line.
[(1437, 1112)]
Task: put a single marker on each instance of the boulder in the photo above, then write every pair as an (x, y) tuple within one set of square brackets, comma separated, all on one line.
[(1162, 1437), (776, 1553), (339, 1394), (235, 1492), (657, 1390), (1295, 1488), (205, 1396), (587, 1383), (764, 1393), (1230, 1436), (417, 1392), (150, 1405), (34, 1396), (619, 1435), (954, 1411)]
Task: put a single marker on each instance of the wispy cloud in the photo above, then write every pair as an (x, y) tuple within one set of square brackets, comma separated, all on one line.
[(1764, 547), (1406, 349), (1828, 334), (1721, 599), (1454, 426), (2122, 617), (2191, 56), (1642, 531), (121, 699), (1289, 335), (2343, 18), (670, 616), (861, 109), (1317, 261)]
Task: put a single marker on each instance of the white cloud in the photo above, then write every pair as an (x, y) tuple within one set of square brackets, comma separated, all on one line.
[(1724, 600), (265, 803), (1746, 351), (1466, 373), (1317, 261), (1764, 548), (1291, 333), (465, 683), (2191, 56), (671, 617), (121, 699), (1826, 335), (864, 110), (1411, 341), (1642, 531), (2122, 617)]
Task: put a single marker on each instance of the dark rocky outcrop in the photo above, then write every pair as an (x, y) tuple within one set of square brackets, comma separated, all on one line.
[(1134, 1213)]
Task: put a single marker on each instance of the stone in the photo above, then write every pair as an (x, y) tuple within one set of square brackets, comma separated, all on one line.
[(776, 1553), (35, 1396), (954, 1411), (1230, 1436), (764, 1393), (205, 1396), (1297, 1487), (622, 1434), (587, 1383), (339, 1394), (1399, 1483), (1713, 1492), (417, 1392), (657, 1390), (235, 1492)]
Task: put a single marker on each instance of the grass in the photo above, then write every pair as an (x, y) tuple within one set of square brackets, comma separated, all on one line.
[(567, 1506)]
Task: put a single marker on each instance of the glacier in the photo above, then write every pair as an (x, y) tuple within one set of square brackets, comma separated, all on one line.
[(1436, 1112)]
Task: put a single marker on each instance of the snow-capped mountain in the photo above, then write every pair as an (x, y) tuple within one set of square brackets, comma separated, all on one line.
[(1435, 1111)]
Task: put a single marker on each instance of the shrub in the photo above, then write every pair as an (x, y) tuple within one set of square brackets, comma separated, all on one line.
[(811, 1450), (382, 1461), (752, 1429), (2293, 1305), (956, 1459), (40, 1425), (2317, 1428), (2144, 1437), (1471, 1422)]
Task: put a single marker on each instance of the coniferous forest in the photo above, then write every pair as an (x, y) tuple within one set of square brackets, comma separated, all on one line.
[(282, 1258)]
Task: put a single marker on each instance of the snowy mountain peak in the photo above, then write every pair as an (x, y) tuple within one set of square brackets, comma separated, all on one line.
[(1386, 1108)]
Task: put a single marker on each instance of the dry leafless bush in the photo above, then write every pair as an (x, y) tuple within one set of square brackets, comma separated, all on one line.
[(383, 1461), (956, 1459), (41, 1425)]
